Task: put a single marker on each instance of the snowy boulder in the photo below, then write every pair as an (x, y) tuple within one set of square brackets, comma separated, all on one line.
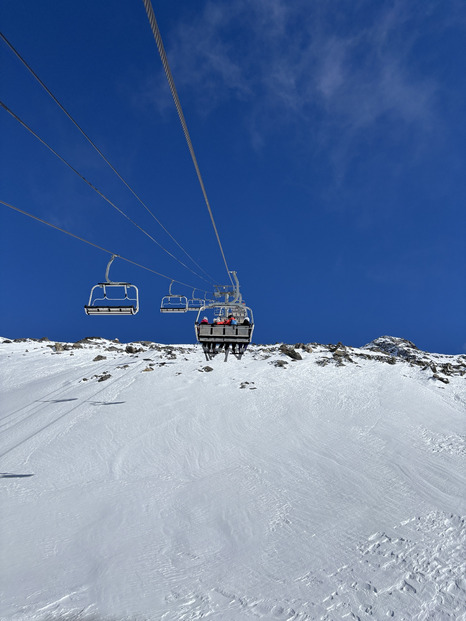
[(291, 352), (89, 340), (395, 346), (131, 349)]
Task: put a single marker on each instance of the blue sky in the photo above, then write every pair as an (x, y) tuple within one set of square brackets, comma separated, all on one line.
[(331, 137)]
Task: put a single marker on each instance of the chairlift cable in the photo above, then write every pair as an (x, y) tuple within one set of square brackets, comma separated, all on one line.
[(171, 83), (54, 226), (48, 91), (16, 117)]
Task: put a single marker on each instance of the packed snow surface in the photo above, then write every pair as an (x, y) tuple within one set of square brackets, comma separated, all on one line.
[(305, 482)]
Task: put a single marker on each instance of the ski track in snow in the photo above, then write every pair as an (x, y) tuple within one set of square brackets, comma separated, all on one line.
[(310, 491)]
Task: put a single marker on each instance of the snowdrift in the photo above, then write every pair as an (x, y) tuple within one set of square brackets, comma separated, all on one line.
[(304, 482)]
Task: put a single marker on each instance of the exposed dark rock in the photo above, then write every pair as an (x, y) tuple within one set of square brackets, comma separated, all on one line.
[(394, 346), (323, 362), (338, 347), (279, 363), (149, 368), (290, 351), (89, 340), (104, 377), (44, 338), (247, 384), (99, 357), (7, 341), (113, 348), (77, 346), (131, 349), (207, 369), (305, 347), (59, 347)]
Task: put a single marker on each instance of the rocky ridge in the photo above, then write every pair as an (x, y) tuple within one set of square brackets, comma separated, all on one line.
[(385, 349)]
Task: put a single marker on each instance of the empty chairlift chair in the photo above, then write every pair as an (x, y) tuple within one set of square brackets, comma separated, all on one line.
[(113, 298), (194, 303), (172, 303)]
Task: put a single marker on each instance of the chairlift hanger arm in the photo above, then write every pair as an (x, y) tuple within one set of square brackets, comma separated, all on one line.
[(107, 279)]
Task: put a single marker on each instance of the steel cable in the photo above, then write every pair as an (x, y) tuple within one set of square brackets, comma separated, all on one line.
[(48, 91), (91, 185), (171, 83), (54, 226)]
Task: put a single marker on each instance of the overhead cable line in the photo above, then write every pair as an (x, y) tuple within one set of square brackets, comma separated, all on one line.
[(48, 91), (93, 187), (171, 83), (54, 226)]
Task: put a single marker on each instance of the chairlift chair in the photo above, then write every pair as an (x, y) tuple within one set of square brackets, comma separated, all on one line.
[(172, 303), (214, 338), (195, 303), (127, 297)]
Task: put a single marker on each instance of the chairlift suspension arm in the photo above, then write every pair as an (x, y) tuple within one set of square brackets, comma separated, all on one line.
[(108, 268)]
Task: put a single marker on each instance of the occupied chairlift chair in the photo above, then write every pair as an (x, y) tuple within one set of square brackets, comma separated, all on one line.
[(127, 300), (215, 338), (172, 303)]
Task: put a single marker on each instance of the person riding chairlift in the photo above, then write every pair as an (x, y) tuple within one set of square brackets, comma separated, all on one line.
[(231, 321), (204, 320)]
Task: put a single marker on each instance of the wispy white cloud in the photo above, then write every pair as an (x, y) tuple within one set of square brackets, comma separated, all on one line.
[(341, 68)]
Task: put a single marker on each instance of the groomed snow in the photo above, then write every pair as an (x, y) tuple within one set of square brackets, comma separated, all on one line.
[(147, 486)]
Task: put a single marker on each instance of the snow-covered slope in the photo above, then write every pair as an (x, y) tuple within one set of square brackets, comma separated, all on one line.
[(302, 482)]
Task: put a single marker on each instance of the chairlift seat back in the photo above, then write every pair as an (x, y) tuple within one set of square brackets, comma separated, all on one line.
[(224, 334), (174, 304), (126, 301)]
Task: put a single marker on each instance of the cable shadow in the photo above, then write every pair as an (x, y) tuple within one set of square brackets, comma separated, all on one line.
[(106, 402), (10, 475), (59, 400)]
